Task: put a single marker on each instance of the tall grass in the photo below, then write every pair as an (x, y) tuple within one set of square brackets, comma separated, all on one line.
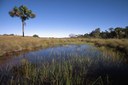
[(60, 68), (76, 70), (73, 70), (10, 44), (120, 45)]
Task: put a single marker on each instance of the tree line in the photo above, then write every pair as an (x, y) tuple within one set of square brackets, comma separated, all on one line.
[(118, 32)]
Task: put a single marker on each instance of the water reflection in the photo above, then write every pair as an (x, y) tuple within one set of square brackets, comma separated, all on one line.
[(43, 55), (98, 63)]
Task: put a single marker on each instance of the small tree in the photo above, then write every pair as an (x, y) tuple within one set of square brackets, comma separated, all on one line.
[(35, 35), (72, 36), (23, 13), (95, 33)]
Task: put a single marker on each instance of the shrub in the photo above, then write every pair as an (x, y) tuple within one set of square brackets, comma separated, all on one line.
[(35, 35)]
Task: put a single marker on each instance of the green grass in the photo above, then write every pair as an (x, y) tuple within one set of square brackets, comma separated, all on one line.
[(72, 71), (120, 45)]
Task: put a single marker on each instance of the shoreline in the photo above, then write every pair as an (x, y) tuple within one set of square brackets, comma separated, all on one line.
[(15, 44)]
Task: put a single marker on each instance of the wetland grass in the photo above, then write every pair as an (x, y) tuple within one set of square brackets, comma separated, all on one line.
[(72, 69), (13, 44), (69, 70)]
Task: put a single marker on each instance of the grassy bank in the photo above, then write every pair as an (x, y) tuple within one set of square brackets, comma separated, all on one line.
[(120, 45), (70, 70), (10, 44), (76, 70)]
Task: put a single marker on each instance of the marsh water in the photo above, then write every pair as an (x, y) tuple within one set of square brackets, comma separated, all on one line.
[(59, 53), (101, 64)]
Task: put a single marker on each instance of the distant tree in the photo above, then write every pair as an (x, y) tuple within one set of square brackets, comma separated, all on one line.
[(126, 32), (119, 32), (80, 35), (5, 34), (111, 33), (104, 34), (72, 35), (35, 35), (126, 27), (95, 33), (86, 35), (11, 34), (23, 13)]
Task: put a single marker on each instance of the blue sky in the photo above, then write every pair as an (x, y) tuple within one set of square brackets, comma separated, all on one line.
[(59, 18)]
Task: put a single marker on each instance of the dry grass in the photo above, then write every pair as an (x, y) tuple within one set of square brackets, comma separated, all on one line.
[(16, 43), (71, 71), (117, 44)]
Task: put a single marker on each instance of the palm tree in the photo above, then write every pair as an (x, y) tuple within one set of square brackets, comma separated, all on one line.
[(23, 13)]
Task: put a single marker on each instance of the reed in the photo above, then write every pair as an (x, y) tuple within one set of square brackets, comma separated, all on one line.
[(10, 44), (59, 70), (14, 44)]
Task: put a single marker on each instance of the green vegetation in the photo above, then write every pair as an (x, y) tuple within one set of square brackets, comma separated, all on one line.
[(120, 45), (23, 13), (74, 70), (117, 32), (58, 70), (35, 35)]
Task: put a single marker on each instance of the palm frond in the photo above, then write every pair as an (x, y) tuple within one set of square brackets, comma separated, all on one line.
[(23, 12)]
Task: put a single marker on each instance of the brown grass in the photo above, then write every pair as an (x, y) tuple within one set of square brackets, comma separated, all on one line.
[(17, 43), (117, 44)]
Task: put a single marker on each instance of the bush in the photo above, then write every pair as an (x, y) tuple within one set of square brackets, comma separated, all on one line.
[(35, 35), (11, 34)]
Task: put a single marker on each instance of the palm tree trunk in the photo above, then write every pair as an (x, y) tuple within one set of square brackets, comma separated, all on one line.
[(23, 27)]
